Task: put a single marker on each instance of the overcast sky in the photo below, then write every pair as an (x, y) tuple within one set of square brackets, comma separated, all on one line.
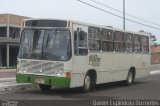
[(72, 9)]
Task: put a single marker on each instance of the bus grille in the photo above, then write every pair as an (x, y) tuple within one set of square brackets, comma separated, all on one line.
[(41, 67)]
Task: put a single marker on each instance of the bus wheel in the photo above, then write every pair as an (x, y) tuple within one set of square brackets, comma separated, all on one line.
[(45, 87), (87, 84), (130, 78)]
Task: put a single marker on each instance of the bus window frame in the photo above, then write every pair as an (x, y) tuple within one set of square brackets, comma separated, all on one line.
[(106, 40), (76, 46), (127, 43), (93, 40), (139, 43), (122, 49), (144, 52)]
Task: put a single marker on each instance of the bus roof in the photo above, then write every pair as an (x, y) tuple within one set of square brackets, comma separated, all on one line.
[(85, 24)]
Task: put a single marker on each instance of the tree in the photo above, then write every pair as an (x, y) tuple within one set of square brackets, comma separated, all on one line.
[(153, 39)]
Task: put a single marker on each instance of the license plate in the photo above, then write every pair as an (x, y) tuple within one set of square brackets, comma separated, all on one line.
[(39, 80)]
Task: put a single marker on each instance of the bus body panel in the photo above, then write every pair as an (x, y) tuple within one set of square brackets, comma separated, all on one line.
[(114, 66)]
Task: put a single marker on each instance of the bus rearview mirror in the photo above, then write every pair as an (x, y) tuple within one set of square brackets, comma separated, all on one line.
[(81, 35)]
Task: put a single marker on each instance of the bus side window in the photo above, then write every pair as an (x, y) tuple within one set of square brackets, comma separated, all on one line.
[(145, 44), (137, 46), (75, 43), (80, 43), (107, 40), (129, 42), (94, 39), (119, 41)]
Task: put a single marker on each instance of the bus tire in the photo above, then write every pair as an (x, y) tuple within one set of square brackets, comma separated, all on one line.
[(87, 83), (45, 87), (93, 84), (130, 78)]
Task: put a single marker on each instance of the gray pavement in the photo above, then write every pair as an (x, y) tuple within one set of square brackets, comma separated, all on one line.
[(7, 70), (7, 73), (154, 67), (143, 89)]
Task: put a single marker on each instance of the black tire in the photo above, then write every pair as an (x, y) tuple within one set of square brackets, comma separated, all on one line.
[(130, 78), (87, 84), (93, 84), (45, 87)]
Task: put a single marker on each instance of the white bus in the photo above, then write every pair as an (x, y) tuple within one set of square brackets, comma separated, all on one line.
[(73, 54)]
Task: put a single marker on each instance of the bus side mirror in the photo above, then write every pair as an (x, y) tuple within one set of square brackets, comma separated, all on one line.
[(81, 35)]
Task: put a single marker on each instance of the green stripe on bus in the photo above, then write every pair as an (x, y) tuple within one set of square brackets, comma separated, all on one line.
[(49, 80)]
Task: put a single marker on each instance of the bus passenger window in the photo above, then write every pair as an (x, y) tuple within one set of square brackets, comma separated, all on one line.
[(119, 41), (75, 43), (129, 42), (107, 40), (94, 39), (137, 46), (80, 43), (145, 44)]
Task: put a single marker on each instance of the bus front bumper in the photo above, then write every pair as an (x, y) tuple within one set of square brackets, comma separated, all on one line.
[(42, 79)]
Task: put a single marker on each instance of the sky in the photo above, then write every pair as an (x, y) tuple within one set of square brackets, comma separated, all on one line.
[(75, 10)]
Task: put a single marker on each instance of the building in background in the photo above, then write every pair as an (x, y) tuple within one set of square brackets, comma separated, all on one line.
[(155, 55), (10, 26)]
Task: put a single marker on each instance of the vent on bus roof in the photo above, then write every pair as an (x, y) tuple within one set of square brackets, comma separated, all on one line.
[(46, 23)]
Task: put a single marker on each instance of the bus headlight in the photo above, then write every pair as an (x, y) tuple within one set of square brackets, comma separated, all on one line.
[(21, 70), (60, 73)]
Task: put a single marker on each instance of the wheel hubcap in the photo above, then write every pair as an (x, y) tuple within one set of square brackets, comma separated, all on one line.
[(87, 82), (130, 77)]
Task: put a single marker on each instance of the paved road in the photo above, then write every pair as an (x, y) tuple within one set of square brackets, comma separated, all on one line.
[(7, 73), (143, 89), (146, 89)]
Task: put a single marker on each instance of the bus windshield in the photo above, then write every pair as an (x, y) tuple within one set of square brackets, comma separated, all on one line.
[(45, 44)]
